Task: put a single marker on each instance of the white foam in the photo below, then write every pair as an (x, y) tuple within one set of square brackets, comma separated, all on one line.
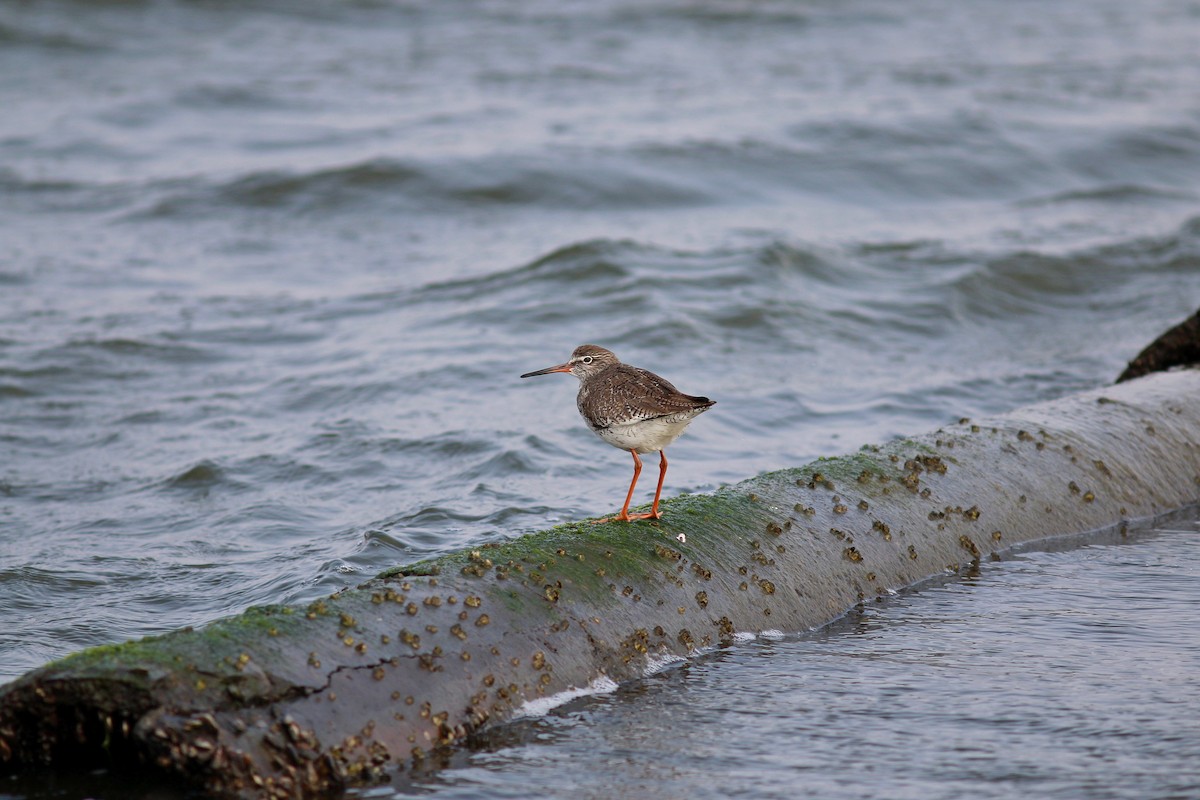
[(542, 705), (603, 684), (659, 663)]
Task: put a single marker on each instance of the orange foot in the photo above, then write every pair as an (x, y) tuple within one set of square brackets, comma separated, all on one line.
[(627, 517)]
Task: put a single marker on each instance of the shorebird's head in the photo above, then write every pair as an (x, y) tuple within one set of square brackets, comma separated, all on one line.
[(588, 359)]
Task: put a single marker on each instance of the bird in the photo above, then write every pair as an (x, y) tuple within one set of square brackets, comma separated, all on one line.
[(630, 408)]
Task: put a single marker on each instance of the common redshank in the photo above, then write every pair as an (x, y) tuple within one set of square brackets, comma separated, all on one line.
[(630, 408)]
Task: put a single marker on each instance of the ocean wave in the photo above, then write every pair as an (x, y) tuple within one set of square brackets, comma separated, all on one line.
[(1113, 194), (73, 42), (1029, 281), (200, 477), (550, 181)]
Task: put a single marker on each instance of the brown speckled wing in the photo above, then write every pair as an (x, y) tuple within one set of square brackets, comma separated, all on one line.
[(624, 394)]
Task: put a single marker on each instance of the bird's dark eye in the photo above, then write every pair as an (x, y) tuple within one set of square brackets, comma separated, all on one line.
[(586, 359)]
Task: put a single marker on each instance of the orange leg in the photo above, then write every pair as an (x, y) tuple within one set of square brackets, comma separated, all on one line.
[(662, 476), (625, 516)]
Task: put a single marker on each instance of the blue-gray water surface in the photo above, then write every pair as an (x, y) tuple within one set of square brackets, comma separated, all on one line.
[(270, 270)]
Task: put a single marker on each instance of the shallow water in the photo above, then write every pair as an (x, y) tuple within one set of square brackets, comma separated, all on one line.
[(271, 269)]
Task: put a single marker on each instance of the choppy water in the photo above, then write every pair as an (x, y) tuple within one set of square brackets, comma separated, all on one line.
[(270, 269)]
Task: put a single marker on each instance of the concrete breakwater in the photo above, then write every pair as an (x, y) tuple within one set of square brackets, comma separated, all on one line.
[(300, 701)]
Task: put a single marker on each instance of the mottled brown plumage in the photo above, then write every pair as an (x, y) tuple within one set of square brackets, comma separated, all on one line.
[(630, 408)]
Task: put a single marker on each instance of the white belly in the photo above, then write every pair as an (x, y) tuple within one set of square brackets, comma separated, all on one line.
[(645, 436)]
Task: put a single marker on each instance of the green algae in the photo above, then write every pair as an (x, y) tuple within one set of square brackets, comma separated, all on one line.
[(146, 652), (582, 558), (211, 649), (573, 550)]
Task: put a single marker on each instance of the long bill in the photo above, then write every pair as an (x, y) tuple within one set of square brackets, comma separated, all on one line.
[(560, 368)]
